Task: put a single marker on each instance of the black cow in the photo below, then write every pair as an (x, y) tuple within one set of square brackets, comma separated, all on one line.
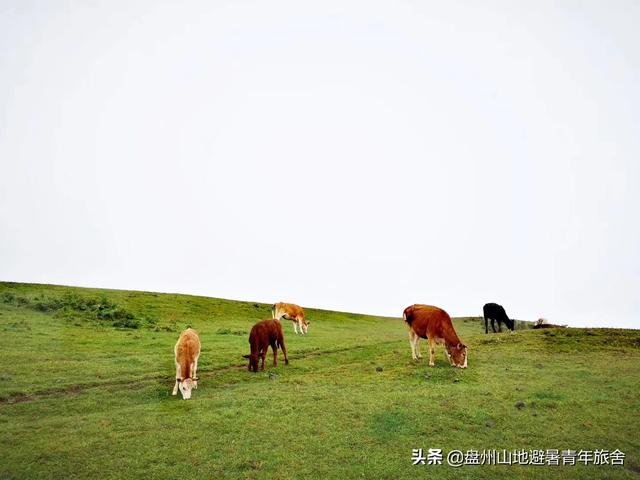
[(494, 312)]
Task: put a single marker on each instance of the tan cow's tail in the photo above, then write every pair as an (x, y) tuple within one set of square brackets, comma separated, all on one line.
[(407, 315)]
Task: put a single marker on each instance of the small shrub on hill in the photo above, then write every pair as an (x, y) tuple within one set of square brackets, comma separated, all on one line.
[(74, 307)]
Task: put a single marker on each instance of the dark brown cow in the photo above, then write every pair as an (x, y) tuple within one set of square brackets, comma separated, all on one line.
[(263, 334), (434, 324), (542, 323)]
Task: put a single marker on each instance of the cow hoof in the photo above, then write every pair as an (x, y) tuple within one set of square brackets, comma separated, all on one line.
[(432, 364)]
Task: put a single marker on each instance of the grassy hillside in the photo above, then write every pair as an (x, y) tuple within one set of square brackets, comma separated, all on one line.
[(86, 377)]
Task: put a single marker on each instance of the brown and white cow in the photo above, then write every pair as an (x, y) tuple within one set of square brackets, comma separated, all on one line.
[(264, 334), (543, 323), (434, 324), (187, 351), (291, 312)]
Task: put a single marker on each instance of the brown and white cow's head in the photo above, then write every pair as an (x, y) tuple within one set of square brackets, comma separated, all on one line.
[(457, 355), (186, 385)]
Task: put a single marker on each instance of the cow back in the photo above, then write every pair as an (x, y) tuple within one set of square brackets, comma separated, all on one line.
[(187, 351), (495, 311), (428, 321), (291, 310), (264, 333)]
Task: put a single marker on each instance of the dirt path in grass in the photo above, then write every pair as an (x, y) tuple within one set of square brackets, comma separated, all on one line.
[(143, 381)]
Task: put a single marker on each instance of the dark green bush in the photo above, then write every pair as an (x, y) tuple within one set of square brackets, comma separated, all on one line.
[(126, 322), (72, 306)]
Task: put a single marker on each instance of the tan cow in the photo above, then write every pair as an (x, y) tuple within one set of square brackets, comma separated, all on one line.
[(291, 312), (187, 351)]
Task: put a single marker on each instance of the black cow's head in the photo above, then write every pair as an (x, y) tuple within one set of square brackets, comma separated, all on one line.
[(511, 324)]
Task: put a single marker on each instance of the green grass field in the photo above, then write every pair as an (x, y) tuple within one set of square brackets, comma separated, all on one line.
[(82, 398)]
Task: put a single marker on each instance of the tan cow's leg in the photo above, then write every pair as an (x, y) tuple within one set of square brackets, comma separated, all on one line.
[(295, 326), (416, 344), (195, 372), (413, 352), (175, 387), (432, 352), (412, 344), (418, 354)]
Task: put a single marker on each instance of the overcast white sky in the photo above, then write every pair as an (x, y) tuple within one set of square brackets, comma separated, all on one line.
[(347, 155)]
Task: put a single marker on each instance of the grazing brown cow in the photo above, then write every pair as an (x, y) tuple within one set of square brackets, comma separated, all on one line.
[(291, 312), (434, 324), (263, 334), (187, 351)]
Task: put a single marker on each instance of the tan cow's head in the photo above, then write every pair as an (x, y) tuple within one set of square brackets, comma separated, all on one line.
[(305, 325), (186, 385), (457, 355)]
